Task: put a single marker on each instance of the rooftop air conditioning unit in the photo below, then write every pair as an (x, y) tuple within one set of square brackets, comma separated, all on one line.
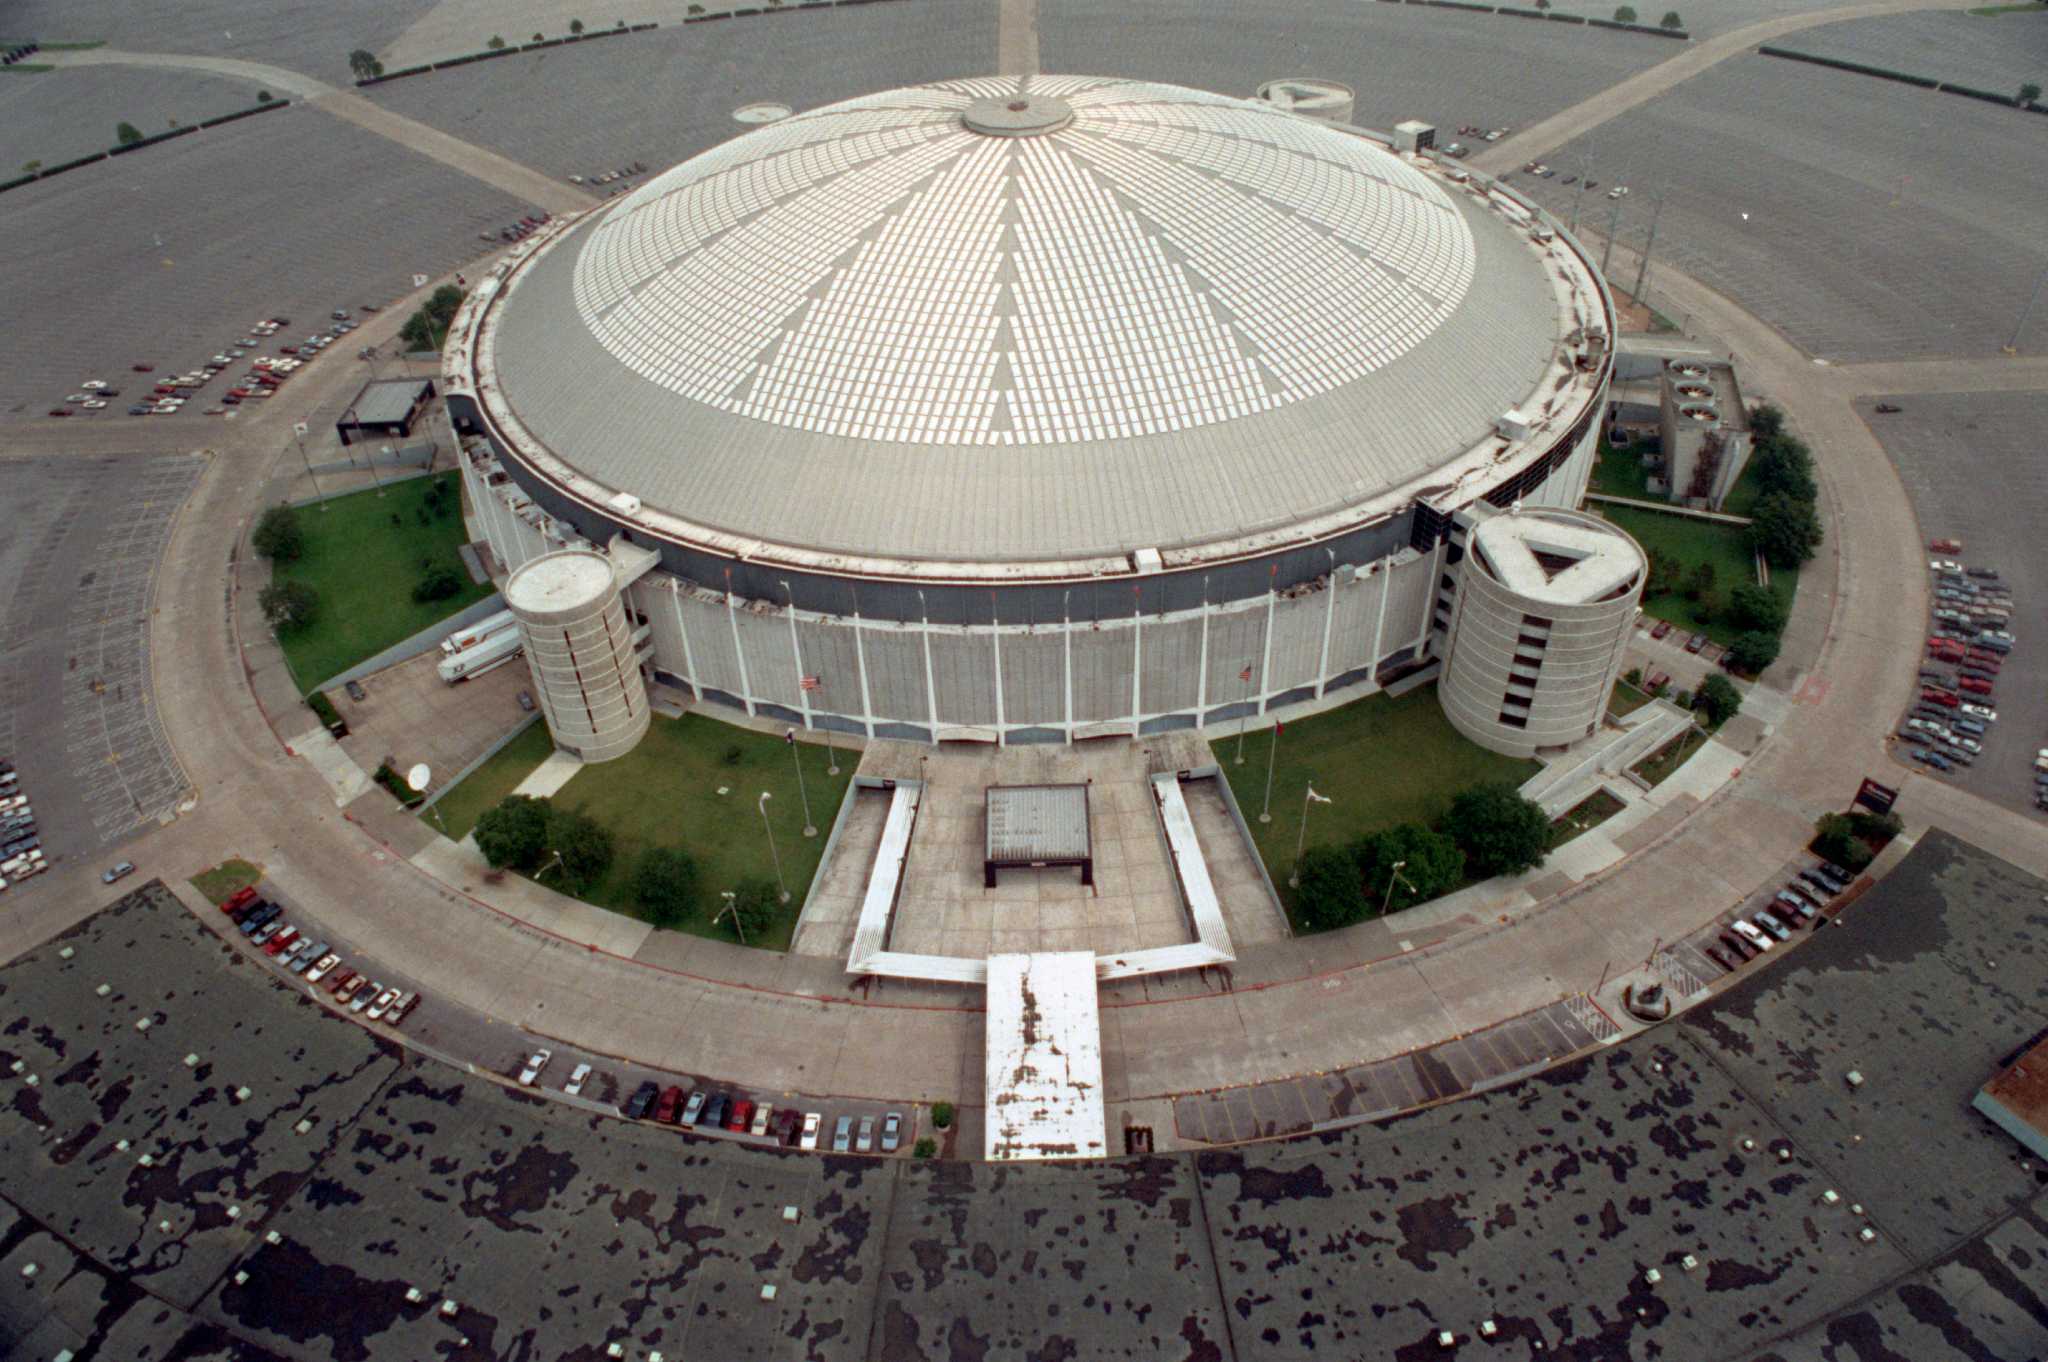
[(1414, 135), (1512, 424), (625, 503)]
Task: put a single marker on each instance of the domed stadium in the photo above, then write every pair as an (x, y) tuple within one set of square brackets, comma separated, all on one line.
[(1032, 409)]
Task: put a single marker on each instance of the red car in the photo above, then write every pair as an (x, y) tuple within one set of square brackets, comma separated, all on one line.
[(239, 900), (665, 1108), (741, 1116), (1945, 546), (277, 943), (1974, 686), (1940, 697), (1662, 628), (1984, 658)]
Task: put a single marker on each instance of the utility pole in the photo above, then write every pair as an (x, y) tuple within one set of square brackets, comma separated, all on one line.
[(1643, 268), (1579, 195), (789, 736), (1272, 757), (1606, 251)]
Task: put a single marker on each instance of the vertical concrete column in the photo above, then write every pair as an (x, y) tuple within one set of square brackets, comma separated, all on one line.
[(579, 643)]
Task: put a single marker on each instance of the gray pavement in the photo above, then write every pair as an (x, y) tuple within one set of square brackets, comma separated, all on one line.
[(1865, 237), (1972, 464), (312, 38), (1538, 1207), (1444, 66), (78, 713), (1998, 53), (62, 115), (662, 97), (289, 213)]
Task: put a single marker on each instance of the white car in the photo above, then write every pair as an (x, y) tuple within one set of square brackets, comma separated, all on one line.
[(322, 967), (1998, 634), (1970, 745), (1984, 712), (577, 1076), (1752, 934), (383, 1004), (812, 1122), (763, 1114), (1944, 565), (539, 1061)]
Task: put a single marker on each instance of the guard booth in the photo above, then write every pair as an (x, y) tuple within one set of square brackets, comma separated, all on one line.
[(385, 408)]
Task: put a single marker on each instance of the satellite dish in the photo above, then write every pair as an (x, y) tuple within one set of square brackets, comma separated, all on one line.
[(418, 776)]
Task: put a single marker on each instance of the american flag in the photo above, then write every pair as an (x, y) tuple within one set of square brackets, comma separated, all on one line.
[(1245, 675), (811, 683)]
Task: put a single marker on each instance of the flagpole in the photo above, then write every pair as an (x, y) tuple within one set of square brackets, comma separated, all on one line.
[(1272, 755), (1301, 839), (1244, 713)]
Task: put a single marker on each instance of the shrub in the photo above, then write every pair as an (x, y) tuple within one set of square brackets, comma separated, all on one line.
[(942, 1115), (1500, 832), (1706, 607), (2028, 94), (1787, 532), (1785, 464), (1752, 652), (496, 44), (1431, 864), (1625, 15), (734, 756), (1757, 608), (1837, 841), (540, 37), (1699, 579), (751, 914), (575, 25), (583, 844), (515, 832), (1683, 699), (264, 96), (392, 781), (127, 134), (1766, 423), (1671, 20), (289, 605), (324, 707), (1718, 699), (926, 1148), (428, 327), (365, 64), (438, 585), (665, 884), (1330, 894), (278, 535), (694, 10), (1634, 676)]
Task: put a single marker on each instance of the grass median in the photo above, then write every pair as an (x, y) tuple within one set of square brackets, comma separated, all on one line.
[(363, 555), (457, 811)]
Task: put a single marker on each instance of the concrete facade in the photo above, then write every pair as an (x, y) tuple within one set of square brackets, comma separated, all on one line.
[(581, 647), (1540, 606), (1705, 430)]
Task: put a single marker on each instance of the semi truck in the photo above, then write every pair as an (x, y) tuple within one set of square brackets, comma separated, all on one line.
[(474, 635), (494, 651)]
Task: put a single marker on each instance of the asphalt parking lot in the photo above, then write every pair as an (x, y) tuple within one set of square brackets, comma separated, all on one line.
[(1998, 53), (59, 116), (312, 38), (1539, 1207), (77, 716), (123, 262), (1783, 188), (1972, 465)]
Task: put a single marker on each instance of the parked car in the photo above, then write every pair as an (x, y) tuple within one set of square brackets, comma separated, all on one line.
[(1751, 933), (274, 937), (715, 1109), (1944, 565), (1770, 923), (864, 1142), (355, 691), (1660, 628), (764, 1120), (1695, 643), (396, 1014), (665, 1109), (526, 702), (383, 1004), (892, 1132), (741, 1116), (1981, 712), (693, 1108), (1714, 954), (322, 967), (1797, 907), (1945, 546), (121, 870), (534, 1064), (340, 980), (809, 1138), (842, 1135), (367, 993), (789, 1124), (239, 900), (578, 1076), (641, 1101)]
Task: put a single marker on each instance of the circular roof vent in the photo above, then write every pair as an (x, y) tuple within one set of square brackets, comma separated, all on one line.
[(1694, 392), (1690, 370), (1700, 414), (761, 113)]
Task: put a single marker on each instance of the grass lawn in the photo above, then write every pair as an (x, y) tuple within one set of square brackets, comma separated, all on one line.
[(1626, 700), (1743, 496), (1380, 761), (1619, 472), (1668, 758), (493, 780), (1692, 542), (364, 568), (221, 883), (666, 793), (1587, 814)]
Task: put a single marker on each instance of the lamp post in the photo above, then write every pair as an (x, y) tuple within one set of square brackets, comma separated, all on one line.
[(299, 434), (732, 906), (773, 854), (1272, 758), (1393, 875), (1309, 796), (789, 736)]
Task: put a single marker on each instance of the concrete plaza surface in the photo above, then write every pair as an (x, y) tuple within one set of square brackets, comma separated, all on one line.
[(356, 1172)]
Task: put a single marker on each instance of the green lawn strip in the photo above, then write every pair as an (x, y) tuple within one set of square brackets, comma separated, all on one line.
[(1587, 814), (487, 784), (665, 793), (221, 883), (1668, 758), (1692, 542), (1620, 473), (1743, 496), (1380, 761), (1626, 700), (364, 568)]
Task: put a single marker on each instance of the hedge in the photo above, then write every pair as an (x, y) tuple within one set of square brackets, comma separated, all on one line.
[(151, 141), (1882, 73), (249, 112)]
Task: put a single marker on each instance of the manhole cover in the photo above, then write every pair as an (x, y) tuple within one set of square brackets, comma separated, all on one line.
[(761, 113)]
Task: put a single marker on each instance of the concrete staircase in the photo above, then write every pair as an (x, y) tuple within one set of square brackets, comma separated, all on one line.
[(1566, 780)]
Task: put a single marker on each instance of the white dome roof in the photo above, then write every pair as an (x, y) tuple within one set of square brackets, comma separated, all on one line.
[(1271, 317)]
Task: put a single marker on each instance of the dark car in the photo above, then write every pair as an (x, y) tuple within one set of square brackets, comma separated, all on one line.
[(1736, 947), (1660, 628), (355, 691), (1714, 954), (1695, 643), (642, 1100), (714, 1111), (788, 1125), (526, 702), (671, 1102)]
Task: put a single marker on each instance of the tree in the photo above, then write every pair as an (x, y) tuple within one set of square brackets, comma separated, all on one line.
[(1330, 894), (278, 535), (1671, 20), (1837, 841), (289, 605), (428, 327), (1664, 573), (264, 96), (1431, 865), (2028, 94), (583, 844), (439, 583), (1699, 579), (365, 64), (1757, 608), (1784, 530), (1718, 698), (1751, 652), (1625, 15), (514, 834), (1766, 423), (925, 1148), (127, 134), (1785, 464), (665, 884), (942, 1114), (575, 25), (751, 913), (1500, 832), (1707, 608), (496, 44), (540, 37)]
